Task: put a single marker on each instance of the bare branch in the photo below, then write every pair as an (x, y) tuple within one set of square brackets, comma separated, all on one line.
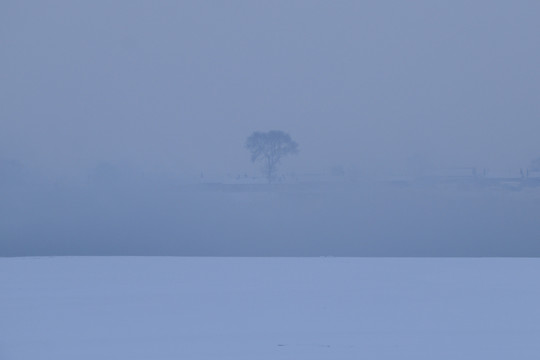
[(269, 147)]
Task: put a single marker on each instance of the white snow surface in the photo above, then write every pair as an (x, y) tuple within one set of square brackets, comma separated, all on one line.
[(269, 308)]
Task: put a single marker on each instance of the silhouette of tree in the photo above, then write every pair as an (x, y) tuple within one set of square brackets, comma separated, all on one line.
[(269, 147)]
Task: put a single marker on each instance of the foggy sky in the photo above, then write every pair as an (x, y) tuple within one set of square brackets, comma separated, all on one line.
[(178, 85)]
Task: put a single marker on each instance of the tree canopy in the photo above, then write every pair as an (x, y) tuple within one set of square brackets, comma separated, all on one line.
[(269, 147)]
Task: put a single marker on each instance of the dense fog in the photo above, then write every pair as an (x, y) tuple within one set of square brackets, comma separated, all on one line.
[(123, 128), (118, 212)]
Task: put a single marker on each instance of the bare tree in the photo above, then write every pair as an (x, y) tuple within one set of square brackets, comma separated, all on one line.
[(269, 147)]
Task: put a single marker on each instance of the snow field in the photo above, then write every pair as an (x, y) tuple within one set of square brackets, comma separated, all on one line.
[(269, 308)]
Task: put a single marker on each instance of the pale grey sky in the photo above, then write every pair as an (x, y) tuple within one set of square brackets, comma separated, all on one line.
[(179, 85)]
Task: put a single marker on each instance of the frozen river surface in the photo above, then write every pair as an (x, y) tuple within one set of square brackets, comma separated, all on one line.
[(268, 308)]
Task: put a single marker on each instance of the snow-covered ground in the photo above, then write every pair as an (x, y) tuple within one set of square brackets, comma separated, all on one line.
[(268, 308)]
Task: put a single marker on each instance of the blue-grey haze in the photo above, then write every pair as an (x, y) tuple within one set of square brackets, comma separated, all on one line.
[(113, 113)]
